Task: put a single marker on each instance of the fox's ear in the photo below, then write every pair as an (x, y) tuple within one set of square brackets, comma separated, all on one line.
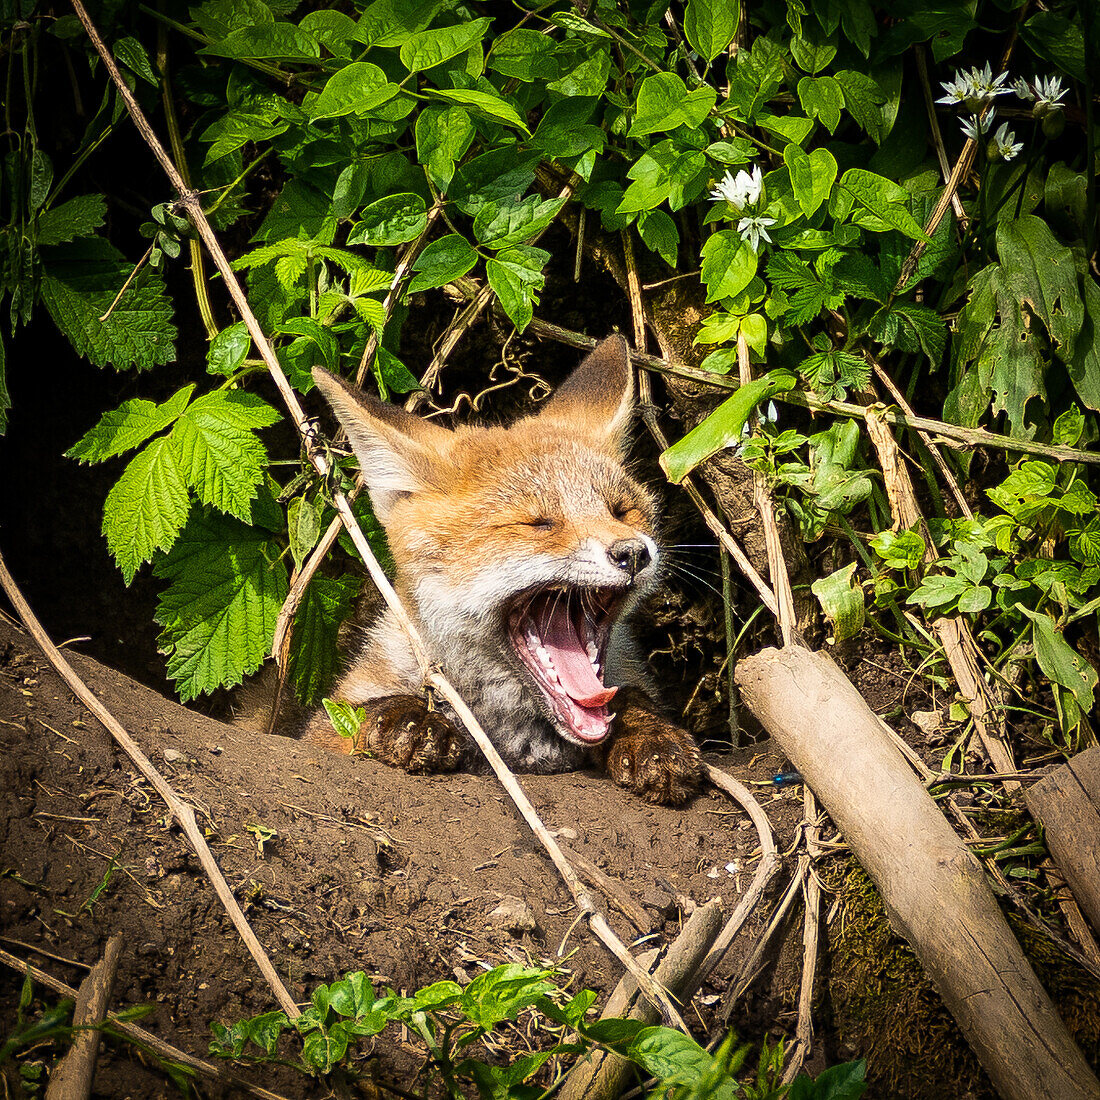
[(598, 397), (397, 451)]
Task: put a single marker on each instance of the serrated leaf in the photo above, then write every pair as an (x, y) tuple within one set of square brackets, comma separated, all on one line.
[(128, 426), (432, 47), (227, 584), (147, 507), (314, 658), (79, 217), (220, 457), (79, 283)]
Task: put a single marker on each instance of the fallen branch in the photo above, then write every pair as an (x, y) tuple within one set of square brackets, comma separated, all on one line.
[(181, 811), (934, 888), (71, 1078), (189, 202), (142, 1037)]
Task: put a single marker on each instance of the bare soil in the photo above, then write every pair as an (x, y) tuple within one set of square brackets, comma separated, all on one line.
[(368, 869)]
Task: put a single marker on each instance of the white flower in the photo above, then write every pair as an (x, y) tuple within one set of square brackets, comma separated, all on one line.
[(1003, 143), (976, 125), (754, 230), (975, 89), (741, 190), (1044, 92)]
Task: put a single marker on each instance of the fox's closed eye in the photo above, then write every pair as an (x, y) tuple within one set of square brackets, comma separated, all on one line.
[(540, 523)]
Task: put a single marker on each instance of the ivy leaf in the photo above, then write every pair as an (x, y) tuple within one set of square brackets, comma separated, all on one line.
[(709, 25), (496, 175), (266, 42), (146, 507), (79, 283), (842, 602), (498, 224), (483, 103), (812, 176), (314, 658), (516, 276), (219, 455), (79, 217), (729, 264), (660, 235), (432, 47), (442, 261), (357, 89), (822, 98), (665, 103), (128, 426), (228, 350), (884, 199), (226, 586), (390, 220)]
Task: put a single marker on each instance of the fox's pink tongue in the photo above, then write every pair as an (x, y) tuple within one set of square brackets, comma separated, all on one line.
[(575, 672)]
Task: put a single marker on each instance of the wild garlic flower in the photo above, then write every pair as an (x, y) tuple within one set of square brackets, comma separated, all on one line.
[(976, 125), (975, 89), (754, 230), (1044, 92), (740, 191), (1003, 144)]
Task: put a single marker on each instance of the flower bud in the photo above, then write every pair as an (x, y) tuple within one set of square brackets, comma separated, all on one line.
[(1053, 122)]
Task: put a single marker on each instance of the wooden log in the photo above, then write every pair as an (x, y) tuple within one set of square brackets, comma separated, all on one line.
[(934, 888), (72, 1077), (1067, 803), (601, 1076)]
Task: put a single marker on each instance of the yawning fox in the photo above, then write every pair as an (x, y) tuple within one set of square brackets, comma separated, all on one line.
[(520, 553)]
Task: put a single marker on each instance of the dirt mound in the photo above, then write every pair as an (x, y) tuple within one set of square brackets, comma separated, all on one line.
[(341, 864)]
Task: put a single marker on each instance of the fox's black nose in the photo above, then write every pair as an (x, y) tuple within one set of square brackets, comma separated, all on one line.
[(629, 555)]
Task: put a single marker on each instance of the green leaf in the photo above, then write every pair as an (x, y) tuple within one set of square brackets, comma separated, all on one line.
[(131, 53), (442, 261), (822, 98), (79, 284), (392, 22), (812, 176), (884, 199), (357, 88), (899, 550), (128, 426), (443, 134), (723, 427), (677, 1059), (228, 350), (390, 220), (864, 99), (266, 42), (218, 613), (709, 25), (219, 455), (432, 47), (660, 235), (484, 103), (729, 264), (1060, 662), (842, 602), (395, 375), (346, 719), (497, 175), (1039, 273), (516, 276), (79, 217), (146, 507), (665, 103), (498, 225), (314, 656)]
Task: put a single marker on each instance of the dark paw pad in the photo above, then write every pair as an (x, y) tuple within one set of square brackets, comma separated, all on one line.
[(408, 735), (661, 762)]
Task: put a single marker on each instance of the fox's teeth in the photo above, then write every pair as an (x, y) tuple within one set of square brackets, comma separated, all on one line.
[(544, 657), (593, 653)]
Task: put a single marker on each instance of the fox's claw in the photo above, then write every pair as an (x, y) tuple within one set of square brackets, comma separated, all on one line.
[(654, 758), (404, 733)]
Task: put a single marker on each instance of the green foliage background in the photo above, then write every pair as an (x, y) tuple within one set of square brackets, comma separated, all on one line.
[(326, 140)]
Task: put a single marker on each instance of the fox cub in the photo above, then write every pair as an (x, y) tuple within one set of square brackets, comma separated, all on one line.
[(520, 553)]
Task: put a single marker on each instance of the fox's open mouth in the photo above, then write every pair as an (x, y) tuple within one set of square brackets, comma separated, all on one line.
[(561, 635)]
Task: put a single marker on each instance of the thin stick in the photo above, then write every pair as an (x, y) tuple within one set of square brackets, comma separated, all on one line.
[(937, 137), (141, 1036), (181, 811), (962, 436), (72, 1077), (769, 864), (612, 890)]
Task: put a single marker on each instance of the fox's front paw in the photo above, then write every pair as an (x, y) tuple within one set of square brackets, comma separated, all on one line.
[(402, 731), (655, 759)]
